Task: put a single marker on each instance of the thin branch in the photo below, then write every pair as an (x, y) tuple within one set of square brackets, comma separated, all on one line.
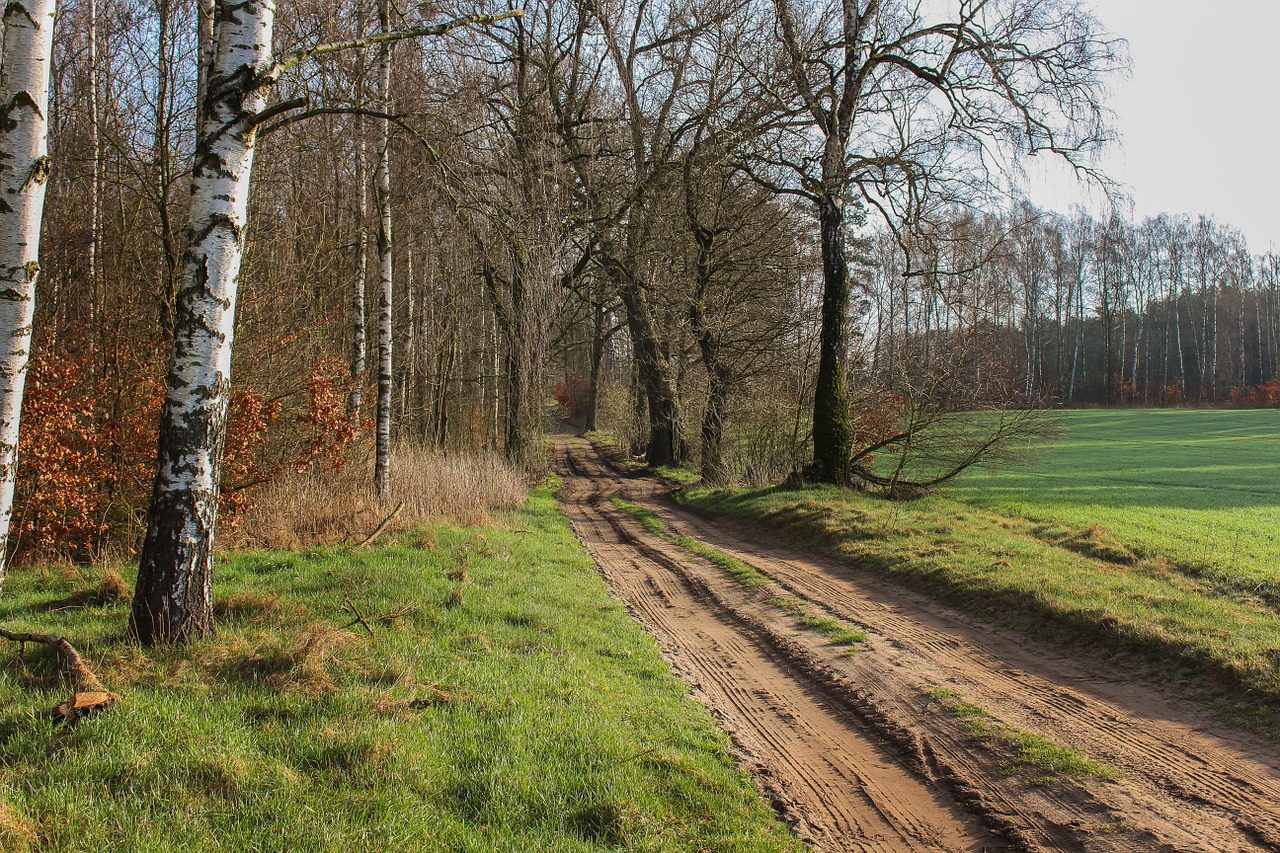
[(303, 55)]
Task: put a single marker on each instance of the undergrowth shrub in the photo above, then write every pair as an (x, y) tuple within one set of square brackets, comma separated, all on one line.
[(86, 460)]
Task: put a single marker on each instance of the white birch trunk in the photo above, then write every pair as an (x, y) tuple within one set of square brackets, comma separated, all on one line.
[(95, 180), (382, 442), (25, 49), (359, 367), (173, 600)]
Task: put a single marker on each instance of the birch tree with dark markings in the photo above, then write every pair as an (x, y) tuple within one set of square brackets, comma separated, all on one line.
[(173, 601), (25, 52), (382, 436), (175, 575)]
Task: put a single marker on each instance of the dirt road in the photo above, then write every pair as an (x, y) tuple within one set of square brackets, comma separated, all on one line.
[(912, 742)]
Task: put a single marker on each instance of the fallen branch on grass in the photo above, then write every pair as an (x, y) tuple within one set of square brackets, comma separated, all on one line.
[(377, 531), (361, 620), (81, 675)]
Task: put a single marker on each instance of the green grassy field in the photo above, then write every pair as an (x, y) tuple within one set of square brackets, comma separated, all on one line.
[(1145, 533), (1198, 488), (504, 703)]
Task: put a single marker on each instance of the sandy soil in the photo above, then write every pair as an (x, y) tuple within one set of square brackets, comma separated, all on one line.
[(856, 750)]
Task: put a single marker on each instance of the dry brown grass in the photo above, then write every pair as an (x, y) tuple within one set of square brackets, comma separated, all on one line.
[(302, 665), (299, 511), (17, 833)]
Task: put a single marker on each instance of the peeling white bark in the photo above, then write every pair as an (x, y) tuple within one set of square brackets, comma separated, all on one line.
[(175, 574), (25, 48)]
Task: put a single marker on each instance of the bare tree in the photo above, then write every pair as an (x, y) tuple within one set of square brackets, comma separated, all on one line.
[(900, 101)]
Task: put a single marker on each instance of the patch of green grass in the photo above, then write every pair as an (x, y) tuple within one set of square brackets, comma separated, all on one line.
[(681, 475), (1198, 489), (526, 712), (1033, 751), (833, 629)]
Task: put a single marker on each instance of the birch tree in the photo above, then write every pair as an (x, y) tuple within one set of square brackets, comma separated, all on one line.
[(175, 575), (382, 438), (25, 51), (173, 601)]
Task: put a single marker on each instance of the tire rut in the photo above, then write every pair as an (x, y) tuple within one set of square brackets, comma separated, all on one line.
[(843, 791)]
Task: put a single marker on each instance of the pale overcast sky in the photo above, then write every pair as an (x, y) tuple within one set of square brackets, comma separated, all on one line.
[(1200, 115)]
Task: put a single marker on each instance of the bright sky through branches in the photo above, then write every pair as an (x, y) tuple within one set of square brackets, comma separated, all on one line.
[(1199, 118)]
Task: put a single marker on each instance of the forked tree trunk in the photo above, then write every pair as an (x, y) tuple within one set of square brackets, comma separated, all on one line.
[(382, 441), (25, 49), (173, 602)]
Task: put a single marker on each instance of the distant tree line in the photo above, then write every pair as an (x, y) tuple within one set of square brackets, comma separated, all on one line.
[(1078, 311)]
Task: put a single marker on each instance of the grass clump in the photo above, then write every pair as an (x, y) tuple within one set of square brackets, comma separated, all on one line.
[(833, 629), (532, 714), (1031, 751)]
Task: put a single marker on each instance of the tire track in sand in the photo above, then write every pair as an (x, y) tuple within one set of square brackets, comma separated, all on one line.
[(843, 791)]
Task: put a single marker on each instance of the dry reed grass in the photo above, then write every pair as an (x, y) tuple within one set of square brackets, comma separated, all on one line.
[(302, 510)]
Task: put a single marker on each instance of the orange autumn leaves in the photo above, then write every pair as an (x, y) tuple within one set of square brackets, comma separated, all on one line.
[(88, 444)]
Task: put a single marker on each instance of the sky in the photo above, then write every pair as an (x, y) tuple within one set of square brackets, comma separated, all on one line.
[(1199, 117)]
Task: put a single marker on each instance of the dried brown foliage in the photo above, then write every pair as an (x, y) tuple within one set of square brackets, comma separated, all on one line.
[(340, 507)]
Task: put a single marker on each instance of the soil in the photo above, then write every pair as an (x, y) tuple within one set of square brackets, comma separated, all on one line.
[(869, 748)]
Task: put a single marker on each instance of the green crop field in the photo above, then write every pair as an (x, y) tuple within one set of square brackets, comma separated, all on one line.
[(1198, 488)]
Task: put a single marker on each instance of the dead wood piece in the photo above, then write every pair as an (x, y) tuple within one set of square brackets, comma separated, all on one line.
[(383, 619), (82, 705), (359, 620), (382, 526), (81, 675)]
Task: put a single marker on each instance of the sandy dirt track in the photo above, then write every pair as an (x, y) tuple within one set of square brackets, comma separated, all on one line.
[(857, 750)]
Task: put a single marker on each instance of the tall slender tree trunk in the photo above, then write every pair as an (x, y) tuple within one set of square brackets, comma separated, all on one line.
[(173, 601), (95, 181), (359, 347), (598, 341), (25, 56), (162, 164), (206, 40), (831, 427), (382, 442)]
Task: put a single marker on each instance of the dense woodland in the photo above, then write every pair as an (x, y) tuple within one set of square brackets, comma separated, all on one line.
[(750, 236)]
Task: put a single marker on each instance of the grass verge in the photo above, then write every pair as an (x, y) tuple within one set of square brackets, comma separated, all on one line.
[(1033, 752), (502, 703), (1008, 570)]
